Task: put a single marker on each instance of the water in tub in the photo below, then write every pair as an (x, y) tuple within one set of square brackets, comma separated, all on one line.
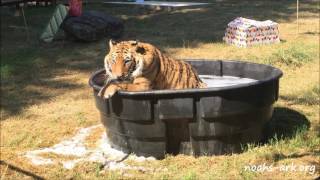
[(224, 81)]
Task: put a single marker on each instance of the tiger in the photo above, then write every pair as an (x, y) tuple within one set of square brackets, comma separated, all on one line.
[(139, 66)]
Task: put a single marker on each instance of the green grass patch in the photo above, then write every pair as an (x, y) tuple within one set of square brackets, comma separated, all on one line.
[(247, 175), (6, 71), (192, 175), (295, 55), (303, 139), (21, 61)]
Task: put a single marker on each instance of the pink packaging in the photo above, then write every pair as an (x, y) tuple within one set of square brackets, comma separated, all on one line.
[(75, 7)]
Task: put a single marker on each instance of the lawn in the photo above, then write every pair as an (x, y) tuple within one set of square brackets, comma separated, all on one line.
[(45, 96)]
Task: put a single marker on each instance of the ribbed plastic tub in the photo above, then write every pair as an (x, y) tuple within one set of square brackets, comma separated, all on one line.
[(211, 121)]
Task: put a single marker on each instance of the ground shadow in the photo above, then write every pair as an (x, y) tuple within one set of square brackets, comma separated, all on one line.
[(280, 156), (285, 123), (309, 100), (189, 27), (33, 72), (15, 97), (19, 170), (312, 33)]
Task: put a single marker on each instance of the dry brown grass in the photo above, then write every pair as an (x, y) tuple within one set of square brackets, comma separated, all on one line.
[(58, 156), (94, 137), (46, 97)]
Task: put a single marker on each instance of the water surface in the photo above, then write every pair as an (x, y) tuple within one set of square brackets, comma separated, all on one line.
[(224, 81)]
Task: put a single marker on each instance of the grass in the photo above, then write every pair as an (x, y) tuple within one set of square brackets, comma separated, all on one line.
[(295, 55), (46, 97), (309, 97)]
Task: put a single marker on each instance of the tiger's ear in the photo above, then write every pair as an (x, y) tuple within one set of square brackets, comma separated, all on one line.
[(111, 43), (134, 43), (141, 50)]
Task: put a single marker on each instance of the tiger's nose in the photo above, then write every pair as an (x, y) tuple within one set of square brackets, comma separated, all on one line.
[(118, 73), (121, 76)]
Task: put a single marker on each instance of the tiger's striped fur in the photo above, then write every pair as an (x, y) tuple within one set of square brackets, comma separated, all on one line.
[(141, 66)]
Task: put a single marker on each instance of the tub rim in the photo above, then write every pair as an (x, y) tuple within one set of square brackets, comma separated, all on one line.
[(275, 76)]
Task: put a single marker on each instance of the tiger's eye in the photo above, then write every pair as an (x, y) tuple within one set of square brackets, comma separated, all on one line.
[(127, 61)]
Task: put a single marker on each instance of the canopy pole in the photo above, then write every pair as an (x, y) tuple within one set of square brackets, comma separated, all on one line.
[(297, 17), (25, 23)]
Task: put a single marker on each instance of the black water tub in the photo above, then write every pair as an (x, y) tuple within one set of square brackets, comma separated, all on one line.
[(196, 122)]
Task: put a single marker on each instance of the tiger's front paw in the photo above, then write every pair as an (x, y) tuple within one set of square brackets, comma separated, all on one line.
[(110, 91)]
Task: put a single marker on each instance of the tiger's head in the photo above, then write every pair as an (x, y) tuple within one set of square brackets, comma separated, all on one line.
[(124, 61)]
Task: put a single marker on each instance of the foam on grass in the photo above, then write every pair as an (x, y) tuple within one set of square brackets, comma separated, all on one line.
[(75, 146)]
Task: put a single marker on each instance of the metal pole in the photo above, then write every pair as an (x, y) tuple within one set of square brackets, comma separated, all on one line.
[(297, 17), (25, 23)]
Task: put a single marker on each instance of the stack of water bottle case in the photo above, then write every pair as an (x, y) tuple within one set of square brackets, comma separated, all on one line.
[(244, 32)]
